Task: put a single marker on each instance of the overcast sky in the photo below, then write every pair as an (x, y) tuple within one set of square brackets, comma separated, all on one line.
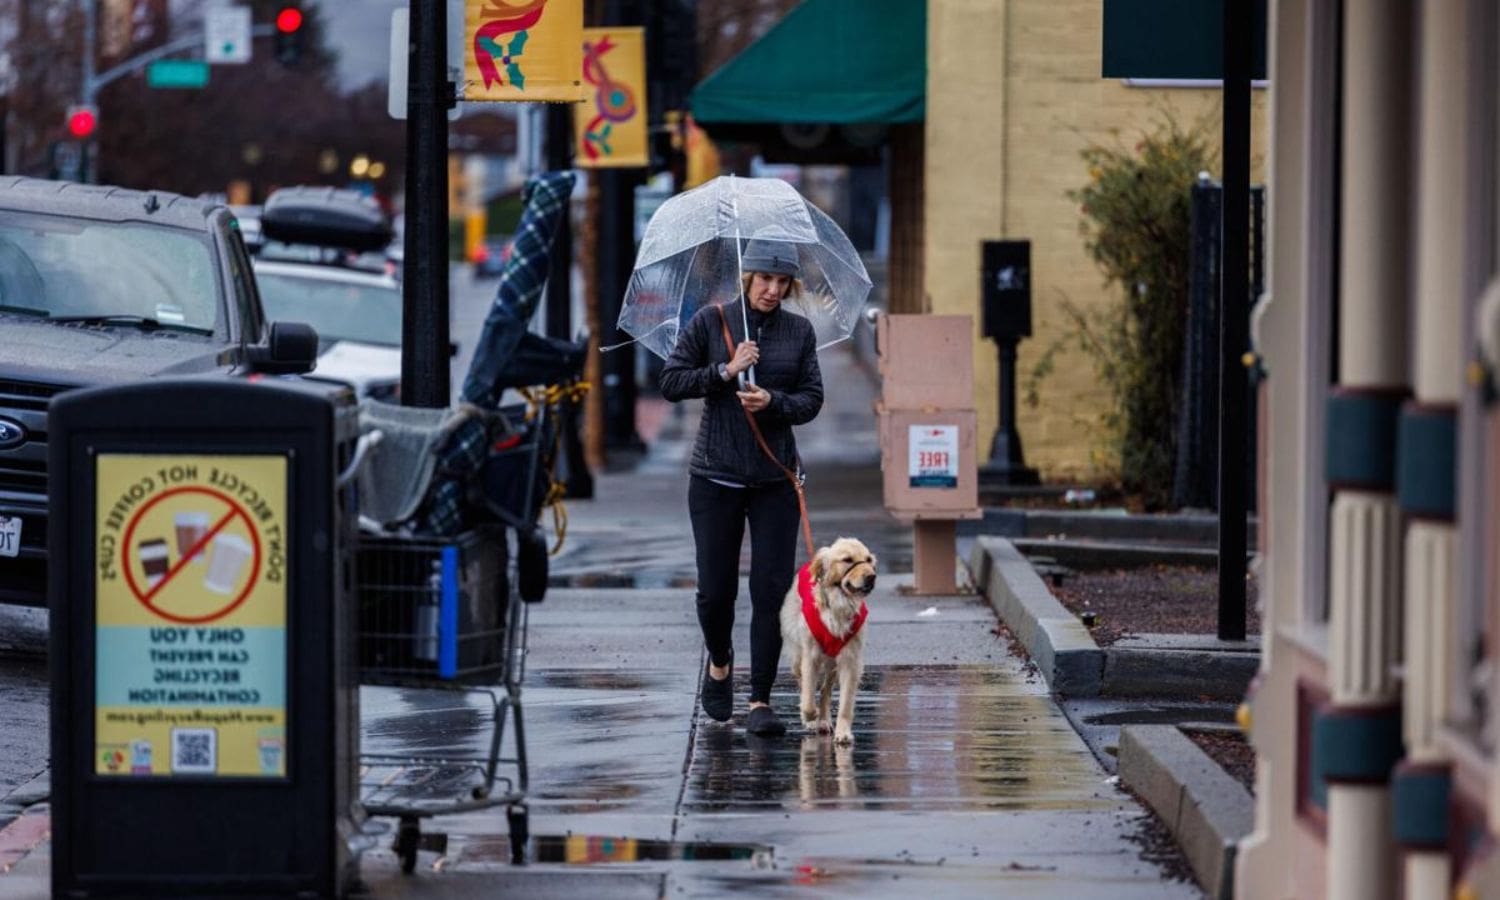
[(361, 32)]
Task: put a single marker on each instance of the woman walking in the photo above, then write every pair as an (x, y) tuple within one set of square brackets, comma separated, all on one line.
[(732, 480)]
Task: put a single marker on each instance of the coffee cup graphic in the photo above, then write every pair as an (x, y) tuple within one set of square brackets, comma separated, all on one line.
[(228, 555), (153, 555), (190, 527)]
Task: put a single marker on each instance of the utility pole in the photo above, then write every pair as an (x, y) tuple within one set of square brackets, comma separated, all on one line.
[(614, 259), (1234, 309), (90, 44), (559, 117), (578, 481), (424, 312)]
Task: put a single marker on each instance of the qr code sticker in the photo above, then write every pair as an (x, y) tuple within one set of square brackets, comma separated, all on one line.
[(194, 751)]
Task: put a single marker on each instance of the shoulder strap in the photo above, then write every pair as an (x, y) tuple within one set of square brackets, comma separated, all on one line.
[(761, 440)]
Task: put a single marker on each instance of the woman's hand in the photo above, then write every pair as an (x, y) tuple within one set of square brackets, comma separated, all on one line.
[(745, 356), (755, 398)]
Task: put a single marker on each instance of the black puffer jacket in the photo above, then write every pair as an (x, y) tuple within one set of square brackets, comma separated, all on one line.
[(726, 449)]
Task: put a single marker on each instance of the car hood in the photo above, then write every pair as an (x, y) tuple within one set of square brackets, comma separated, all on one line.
[(92, 355), (361, 366)]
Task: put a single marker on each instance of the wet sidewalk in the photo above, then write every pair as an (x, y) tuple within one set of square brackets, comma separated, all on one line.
[(965, 780)]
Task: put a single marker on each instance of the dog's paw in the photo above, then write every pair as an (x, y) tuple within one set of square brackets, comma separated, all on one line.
[(810, 716), (822, 726), (844, 736)]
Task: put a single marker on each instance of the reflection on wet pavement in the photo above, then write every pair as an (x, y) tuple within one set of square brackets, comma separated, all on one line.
[(963, 781), (925, 737), (417, 722), (592, 849)]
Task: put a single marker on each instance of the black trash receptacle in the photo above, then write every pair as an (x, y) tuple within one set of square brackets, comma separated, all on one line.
[(204, 699)]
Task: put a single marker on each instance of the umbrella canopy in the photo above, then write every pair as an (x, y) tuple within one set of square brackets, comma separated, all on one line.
[(691, 255)]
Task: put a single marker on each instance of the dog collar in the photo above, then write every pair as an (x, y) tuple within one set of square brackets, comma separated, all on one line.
[(831, 645)]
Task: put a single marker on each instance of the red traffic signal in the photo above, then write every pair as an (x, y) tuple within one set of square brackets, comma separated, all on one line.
[(289, 35), (82, 119)]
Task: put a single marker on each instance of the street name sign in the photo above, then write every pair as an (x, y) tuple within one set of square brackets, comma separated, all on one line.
[(226, 35), (177, 73)]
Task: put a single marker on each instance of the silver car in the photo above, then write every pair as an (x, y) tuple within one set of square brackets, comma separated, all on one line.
[(357, 315)]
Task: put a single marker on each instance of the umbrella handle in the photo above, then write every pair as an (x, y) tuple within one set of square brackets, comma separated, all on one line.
[(748, 376)]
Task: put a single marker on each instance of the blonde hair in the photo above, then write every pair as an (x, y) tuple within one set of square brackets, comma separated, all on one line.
[(793, 288)]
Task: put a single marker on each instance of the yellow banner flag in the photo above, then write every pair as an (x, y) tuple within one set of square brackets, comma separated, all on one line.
[(523, 50), (610, 126)]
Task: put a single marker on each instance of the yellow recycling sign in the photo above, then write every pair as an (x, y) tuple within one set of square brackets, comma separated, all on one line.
[(190, 615)]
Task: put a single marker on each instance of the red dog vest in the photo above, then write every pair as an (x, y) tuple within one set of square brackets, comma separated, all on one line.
[(831, 645)]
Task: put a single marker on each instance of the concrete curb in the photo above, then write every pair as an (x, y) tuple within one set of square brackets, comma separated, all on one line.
[(1166, 665), (1089, 554), (1060, 646), (1074, 665), (1174, 528), (1207, 811)]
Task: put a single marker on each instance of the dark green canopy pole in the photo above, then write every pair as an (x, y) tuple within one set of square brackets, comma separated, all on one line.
[(1234, 310)]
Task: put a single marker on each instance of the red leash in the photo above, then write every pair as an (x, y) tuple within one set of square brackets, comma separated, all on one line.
[(760, 439)]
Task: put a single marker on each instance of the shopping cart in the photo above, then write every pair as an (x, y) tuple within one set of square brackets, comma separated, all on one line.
[(439, 614), (442, 599)]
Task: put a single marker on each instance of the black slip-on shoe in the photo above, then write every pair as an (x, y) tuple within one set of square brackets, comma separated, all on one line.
[(764, 722), (718, 693)]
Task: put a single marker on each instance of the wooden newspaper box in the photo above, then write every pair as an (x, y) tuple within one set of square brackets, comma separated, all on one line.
[(927, 436)]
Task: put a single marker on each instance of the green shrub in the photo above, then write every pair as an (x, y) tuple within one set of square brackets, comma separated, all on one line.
[(1136, 224)]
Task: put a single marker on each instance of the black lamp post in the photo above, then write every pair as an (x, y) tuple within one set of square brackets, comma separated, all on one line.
[(1006, 291)]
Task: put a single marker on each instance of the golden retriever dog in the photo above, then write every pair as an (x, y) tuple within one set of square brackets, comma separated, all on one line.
[(821, 623)]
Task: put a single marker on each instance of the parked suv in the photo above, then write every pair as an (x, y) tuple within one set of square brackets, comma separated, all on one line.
[(100, 285)]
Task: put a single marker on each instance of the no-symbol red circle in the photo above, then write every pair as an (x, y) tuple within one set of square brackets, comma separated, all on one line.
[(235, 510)]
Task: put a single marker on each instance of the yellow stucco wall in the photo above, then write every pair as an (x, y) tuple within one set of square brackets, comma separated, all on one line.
[(1014, 95)]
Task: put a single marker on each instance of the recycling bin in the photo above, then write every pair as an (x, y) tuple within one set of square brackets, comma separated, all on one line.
[(204, 695)]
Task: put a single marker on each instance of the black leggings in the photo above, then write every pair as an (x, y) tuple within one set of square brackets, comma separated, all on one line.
[(719, 514)]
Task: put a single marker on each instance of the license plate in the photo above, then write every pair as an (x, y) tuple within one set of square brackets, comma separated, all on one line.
[(10, 536)]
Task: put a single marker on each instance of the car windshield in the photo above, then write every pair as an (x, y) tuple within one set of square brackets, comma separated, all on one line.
[(340, 310), (64, 267)]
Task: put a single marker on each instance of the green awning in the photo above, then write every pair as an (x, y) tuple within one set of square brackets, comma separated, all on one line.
[(829, 61)]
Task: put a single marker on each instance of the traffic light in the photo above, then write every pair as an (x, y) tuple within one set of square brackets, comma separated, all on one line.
[(289, 35), (82, 119)]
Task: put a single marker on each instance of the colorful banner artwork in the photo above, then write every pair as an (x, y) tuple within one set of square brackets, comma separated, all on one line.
[(191, 616), (523, 50), (610, 126)]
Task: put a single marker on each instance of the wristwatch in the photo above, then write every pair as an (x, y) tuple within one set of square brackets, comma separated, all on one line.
[(724, 372)]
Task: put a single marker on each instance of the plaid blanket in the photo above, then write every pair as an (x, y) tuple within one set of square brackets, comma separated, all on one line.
[(461, 456), (458, 466), (521, 282)]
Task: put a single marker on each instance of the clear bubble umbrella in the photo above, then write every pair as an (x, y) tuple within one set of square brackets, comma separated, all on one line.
[(691, 256)]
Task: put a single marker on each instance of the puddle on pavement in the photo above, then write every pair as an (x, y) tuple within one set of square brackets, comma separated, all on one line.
[(1164, 715), (594, 849), (925, 737)]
